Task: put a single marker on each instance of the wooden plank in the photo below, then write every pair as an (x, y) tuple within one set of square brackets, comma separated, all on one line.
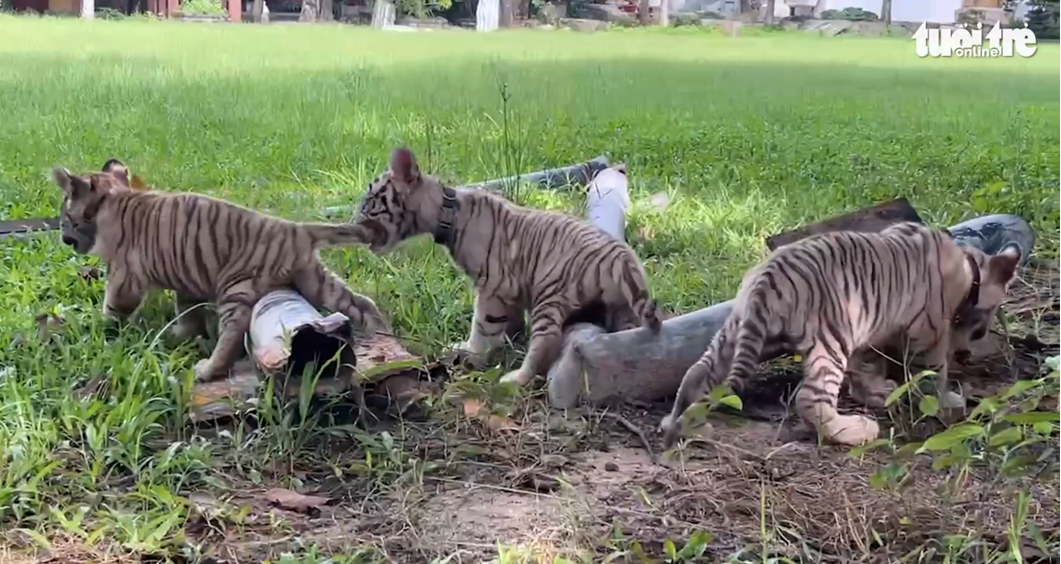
[(870, 219)]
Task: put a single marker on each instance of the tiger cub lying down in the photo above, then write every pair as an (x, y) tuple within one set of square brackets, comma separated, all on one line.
[(204, 249), (551, 265), (834, 297)]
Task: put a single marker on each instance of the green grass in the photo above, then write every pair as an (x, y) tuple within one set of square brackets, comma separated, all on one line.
[(748, 136)]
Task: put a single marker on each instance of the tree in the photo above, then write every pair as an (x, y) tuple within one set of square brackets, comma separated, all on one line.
[(642, 12), (88, 9), (664, 13), (770, 12), (506, 14), (1043, 18), (886, 11)]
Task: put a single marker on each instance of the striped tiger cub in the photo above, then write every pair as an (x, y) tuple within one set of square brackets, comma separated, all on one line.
[(835, 297), (204, 249), (553, 266)]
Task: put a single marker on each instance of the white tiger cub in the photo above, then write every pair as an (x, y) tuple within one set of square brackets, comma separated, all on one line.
[(551, 265), (831, 297)]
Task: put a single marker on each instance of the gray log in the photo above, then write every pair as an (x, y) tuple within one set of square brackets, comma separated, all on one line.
[(635, 364)]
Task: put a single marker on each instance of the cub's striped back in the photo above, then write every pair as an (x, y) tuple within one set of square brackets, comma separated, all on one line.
[(832, 296), (205, 249)]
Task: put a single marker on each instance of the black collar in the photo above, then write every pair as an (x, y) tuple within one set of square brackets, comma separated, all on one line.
[(973, 297), (447, 215)]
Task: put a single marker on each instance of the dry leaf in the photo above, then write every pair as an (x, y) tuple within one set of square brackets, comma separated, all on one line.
[(294, 501), (473, 409)]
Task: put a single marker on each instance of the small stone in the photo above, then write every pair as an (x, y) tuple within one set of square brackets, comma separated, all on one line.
[(611, 467)]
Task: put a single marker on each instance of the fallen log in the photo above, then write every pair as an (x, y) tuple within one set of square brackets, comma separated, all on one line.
[(288, 335), (636, 365)]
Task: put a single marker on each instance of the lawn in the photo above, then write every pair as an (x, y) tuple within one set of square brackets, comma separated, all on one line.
[(747, 136)]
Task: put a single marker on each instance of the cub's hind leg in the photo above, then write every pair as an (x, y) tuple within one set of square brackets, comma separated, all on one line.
[(546, 340), (706, 373), (818, 393), (324, 290), (867, 379), (191, 318), (234, 320)]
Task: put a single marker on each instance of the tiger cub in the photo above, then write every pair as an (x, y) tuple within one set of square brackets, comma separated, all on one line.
[(835, 296), (551, 265), (204, 249)]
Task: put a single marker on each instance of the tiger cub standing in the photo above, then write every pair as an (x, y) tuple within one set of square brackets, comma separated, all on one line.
[(832, 297), (204, 249), (551, 265)]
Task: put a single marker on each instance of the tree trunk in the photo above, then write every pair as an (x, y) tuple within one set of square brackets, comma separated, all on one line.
[(506, 14), (642, 12), (886, 11), (88, 9), (256, 11), (745, 6), (770, 11), (310, 11), (326, 14), (664, 13)]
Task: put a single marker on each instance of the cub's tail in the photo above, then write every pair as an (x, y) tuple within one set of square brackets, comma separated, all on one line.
[(336, 234)]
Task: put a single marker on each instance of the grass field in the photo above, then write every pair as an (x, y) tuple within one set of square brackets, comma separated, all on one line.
[(747, 136)]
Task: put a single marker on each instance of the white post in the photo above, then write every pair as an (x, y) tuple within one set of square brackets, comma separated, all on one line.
[(88, 9), (487, 15), (382, 14)]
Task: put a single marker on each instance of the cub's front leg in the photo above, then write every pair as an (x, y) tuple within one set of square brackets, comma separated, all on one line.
[(489, 323), (121, 297)]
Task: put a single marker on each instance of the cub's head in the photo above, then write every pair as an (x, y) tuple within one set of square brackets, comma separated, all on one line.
[(996, 272), (82, 197), (399, 204)]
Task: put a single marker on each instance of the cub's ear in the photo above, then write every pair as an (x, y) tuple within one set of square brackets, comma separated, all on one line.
[(62, 178), (1003, 264), (118, 170), (403, 165), (72, 186)]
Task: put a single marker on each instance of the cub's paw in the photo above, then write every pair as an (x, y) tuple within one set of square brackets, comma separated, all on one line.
[(853, 430), (205, 372), (464, 353), (519, 377), (951, 400), (671, 428)]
